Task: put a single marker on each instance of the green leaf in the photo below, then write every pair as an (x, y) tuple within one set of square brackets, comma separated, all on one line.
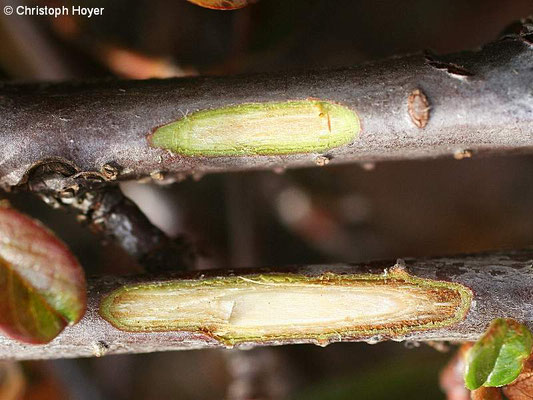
[(42, 285), (499, 356)]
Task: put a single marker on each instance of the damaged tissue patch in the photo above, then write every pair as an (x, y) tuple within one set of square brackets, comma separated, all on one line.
[(272, 128)]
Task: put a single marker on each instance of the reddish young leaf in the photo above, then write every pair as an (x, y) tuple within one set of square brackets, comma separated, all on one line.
[(222, 4), (42, 285)]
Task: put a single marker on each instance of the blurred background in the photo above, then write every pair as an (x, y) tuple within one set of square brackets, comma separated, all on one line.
[(331, 214)]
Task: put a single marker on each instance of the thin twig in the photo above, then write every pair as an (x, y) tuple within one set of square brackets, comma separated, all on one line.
[(99, 203)]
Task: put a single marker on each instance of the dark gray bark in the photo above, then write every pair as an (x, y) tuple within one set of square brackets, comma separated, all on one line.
[(502, 285), (479, 103)]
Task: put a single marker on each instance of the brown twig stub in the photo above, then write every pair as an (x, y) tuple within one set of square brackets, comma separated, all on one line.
[(99, 123), (501, 284)]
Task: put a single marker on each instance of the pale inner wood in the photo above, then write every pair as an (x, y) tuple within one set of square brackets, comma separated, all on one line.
[(253, 308)]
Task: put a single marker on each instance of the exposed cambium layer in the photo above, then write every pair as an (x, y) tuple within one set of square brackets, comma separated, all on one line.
[(260, 128), (269, 307)]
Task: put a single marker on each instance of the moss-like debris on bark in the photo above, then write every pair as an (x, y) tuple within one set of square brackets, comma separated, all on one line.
[(305, 126), (285, 307)]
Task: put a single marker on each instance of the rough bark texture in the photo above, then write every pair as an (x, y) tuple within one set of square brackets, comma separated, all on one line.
[(100, 203), (417, 106), (502, 285)]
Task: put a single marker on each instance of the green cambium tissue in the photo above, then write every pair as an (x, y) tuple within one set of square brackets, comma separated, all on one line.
[(289, 306), (271, 128), (499, 356)]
